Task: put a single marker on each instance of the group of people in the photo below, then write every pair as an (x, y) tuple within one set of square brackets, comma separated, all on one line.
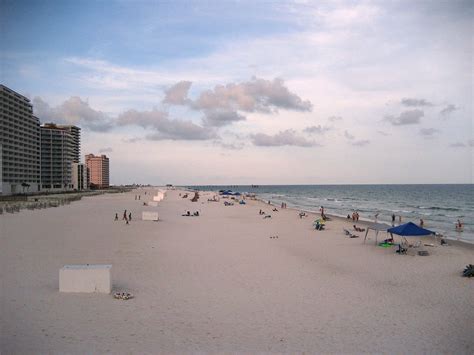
[(137, 197), (355, 216), (283, 205), (125, 217)]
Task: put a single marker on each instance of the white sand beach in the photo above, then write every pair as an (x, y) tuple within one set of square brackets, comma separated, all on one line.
[(219, 283)]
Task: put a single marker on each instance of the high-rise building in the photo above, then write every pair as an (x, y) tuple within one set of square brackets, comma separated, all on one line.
[(19, 144), (79, 176), (57, 156), (75, 132), (98, 169)]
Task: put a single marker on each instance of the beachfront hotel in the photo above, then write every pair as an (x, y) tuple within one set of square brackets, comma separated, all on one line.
[(57, 156), (98, 169), (19, 144)]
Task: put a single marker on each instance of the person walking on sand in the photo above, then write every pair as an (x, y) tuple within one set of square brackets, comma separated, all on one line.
[(116, 216), (124, 215), (393, 219), (130, 216), (422, 223)]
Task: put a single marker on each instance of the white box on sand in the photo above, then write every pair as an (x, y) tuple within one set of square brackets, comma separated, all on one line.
[(157, 198), (149, 216), (85, 278), (153, 203)]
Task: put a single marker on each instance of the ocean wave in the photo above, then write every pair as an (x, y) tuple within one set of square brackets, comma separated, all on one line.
[(436, 208)]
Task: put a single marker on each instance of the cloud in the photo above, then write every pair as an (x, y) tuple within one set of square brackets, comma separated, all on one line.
[(177, 94), (287, 137), (256, 95), (448, 110), (153, 118), (382, 133), (132, 139), (106, 150), (317, 129), (218, 118), (361, 143), (230, 146), (348, 135), (471, 142), (415, 102), (406, 117), (457, 145), (334, 118), (165, 128), (73, 111), (428, 132)]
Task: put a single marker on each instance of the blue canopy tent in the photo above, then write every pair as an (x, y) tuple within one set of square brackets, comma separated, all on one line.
[(409, 229)]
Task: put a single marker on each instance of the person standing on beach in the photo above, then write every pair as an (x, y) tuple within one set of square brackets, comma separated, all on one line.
[(393, 219), (422, 223), (124, 215), (116, 216), (400, 219), (130, 216)]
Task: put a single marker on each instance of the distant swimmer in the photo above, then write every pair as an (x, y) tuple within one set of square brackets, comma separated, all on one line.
[(459, 226)]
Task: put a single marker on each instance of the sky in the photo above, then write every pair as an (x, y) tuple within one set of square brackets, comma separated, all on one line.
[(253, 92)]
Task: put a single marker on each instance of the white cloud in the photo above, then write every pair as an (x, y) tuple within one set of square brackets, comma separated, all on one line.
[(428, 132), (410, 102), (177, 94), (406, 118), (288, 137), (448, 110), (73, 111)]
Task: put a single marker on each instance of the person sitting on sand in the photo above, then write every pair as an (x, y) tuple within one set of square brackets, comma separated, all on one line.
[(267, 216), (187, 214), (358, 229), (261, 212), (275, 210), (196, 213)]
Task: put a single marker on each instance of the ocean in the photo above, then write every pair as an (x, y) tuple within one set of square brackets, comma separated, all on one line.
[(440, 206)]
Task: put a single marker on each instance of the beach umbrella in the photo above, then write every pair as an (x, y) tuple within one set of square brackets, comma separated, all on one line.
[(410, 229)]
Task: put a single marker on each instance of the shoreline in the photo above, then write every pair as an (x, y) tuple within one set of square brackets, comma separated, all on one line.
[(364, 222)]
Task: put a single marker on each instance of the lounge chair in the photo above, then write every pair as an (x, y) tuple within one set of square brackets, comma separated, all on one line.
[(349, 234)]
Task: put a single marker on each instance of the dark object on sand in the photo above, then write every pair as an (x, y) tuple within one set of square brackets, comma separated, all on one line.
[(123, 295), (196, 197), (468, 271), (423, 253)]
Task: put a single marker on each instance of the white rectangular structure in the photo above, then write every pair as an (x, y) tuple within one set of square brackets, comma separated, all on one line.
[(153, 204), (85, 278), (149, 216), (157, 198)]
